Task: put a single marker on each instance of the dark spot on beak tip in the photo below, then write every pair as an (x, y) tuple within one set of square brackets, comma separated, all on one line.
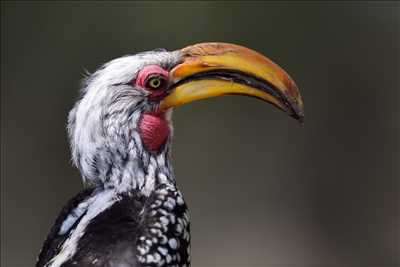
[(301, 120), (299, 117), (295, 111)]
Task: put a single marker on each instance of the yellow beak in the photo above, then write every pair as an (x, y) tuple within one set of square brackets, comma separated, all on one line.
[(213, 69)]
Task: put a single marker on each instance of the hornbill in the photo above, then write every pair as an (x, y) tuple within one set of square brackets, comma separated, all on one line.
[(131, 212)]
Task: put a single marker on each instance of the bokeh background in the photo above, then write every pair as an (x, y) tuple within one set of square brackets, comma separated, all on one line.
[(263, 190)]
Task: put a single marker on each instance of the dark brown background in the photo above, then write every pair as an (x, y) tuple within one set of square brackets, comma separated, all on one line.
[(263, 191)]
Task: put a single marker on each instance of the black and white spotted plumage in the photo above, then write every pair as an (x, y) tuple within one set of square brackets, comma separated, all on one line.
[(133, 231), (131, 214)]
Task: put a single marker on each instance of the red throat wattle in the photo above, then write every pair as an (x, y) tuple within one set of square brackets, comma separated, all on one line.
[(154, 130)]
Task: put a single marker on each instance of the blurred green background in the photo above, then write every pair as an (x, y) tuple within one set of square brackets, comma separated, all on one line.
[(263, 190)]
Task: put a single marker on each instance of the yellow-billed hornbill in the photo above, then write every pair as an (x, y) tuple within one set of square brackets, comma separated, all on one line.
[(131, 213)]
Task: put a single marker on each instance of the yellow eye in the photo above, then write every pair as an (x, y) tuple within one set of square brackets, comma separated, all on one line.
[(155, 82)]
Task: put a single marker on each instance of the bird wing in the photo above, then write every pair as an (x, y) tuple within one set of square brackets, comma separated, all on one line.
[(110, 238), (67, 220)]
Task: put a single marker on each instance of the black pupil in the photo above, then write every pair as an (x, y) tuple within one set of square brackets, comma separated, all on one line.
[(155, 82)]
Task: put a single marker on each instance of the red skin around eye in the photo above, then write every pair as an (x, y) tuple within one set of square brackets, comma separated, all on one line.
[(147, 71)]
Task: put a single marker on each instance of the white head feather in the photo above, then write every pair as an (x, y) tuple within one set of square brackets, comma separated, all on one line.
[(102, 126)]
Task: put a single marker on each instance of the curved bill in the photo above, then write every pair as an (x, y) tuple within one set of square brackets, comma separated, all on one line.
[(214, 69)]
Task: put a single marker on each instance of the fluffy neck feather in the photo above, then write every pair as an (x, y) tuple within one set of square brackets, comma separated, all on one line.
[(109, 151)]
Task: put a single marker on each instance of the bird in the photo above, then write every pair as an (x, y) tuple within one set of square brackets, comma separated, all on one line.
[(130, 212)]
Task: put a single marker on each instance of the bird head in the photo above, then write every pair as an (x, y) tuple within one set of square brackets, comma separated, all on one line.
[(120, 129)]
